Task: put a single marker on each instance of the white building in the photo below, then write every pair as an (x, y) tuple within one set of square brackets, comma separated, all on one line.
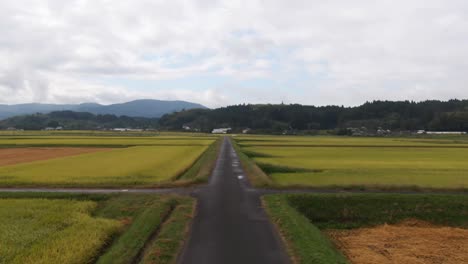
[(445, 132), (127, 129), (221, 130)]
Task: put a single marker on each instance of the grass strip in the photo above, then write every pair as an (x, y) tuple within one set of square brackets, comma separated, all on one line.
[(304, 241), (257, 177), (143, 214), (201, 169), (165, 247)]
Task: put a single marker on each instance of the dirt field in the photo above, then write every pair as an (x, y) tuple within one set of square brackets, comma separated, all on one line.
[(411, 242), (12, 156)]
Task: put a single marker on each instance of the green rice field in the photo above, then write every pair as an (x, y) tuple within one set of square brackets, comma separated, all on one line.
[(361, 162)]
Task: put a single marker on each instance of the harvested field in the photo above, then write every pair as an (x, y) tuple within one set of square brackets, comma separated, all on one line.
[(10, 156), (411, 241)]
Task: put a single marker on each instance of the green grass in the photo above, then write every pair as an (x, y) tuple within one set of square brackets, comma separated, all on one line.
[(88, 228), (256, 176), (358, 163), (51, 231), (144, 213), (304, 241), (301, 217), (201, 170), (170, 240), (135, 166), (344, 211)]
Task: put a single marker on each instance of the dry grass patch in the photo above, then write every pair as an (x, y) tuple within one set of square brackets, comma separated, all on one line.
[(10, 156), (411, 241)]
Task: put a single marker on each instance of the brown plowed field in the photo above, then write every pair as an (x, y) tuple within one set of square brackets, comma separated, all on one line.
[(10, 156), (411, 242)]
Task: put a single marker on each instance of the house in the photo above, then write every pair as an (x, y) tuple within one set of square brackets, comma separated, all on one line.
[(383, 132), (221, 130)]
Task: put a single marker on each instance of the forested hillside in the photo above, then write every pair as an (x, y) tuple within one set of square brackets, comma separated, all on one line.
[(76, 121), (405, 115)]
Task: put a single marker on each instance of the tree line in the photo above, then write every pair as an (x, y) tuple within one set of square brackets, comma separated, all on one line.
[(449, 115)]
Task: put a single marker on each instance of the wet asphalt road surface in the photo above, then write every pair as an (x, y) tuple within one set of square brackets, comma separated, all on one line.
[(230, 225)]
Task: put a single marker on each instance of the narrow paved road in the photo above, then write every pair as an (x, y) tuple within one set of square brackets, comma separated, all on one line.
[(230, 225)]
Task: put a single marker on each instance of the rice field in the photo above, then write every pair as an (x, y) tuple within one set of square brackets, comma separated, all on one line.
[(134, 166), (330, 162), (119, 161), (91, 228), (51, 231), (104, 141)]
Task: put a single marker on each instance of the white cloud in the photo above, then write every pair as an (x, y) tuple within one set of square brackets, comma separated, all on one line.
[(58, 51)]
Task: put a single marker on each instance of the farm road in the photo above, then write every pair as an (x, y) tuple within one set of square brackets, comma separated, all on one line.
[(230, 225)]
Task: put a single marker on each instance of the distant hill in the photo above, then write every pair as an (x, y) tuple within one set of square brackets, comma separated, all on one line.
[(77, 121), (138, 108)]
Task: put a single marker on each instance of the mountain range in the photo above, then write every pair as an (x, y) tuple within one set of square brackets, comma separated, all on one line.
[(139, 108)]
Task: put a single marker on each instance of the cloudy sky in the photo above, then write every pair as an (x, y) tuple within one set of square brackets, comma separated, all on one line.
[(226, 52)]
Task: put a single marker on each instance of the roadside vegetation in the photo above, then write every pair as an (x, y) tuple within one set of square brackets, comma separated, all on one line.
[(359, 163), (304, 219), (257, 177), (304, 241), (85, 228), (201, 169)]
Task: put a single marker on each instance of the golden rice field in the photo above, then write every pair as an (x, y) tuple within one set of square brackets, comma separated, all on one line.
[(114, 141), (121, 161), (134, 166), (43, 228), (361, 162), (51, 231)]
